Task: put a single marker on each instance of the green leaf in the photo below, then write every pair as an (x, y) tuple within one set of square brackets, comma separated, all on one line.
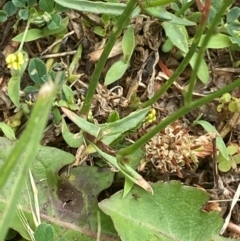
[(224, 166), (226, 98), (161, 13), (34, 34), (68, 93), (99, 31), (62, 28), (37, 69), (219, 141), (70, 205), (3, 16), (113, 116), (94, 7), (23, 14), (217, 41), (73, 140), (82, 123), (236, 158), (232, 150), (128, 185), (115, 72), (127, 170), (125, 124), (177, 34), (235, 40), (44, 232), (22, 155), (7, 131), (233, 14), (167, 46), (57, 115), (10, 8), (14, 89), (30, 3), (19, 3), (128, 43), (233, 106), (46, 5), (109, 131), (174, 212), (203, 72), (54, 22)]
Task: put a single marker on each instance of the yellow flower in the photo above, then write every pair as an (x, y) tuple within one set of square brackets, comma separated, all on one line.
[(15, 60), (151, 117)]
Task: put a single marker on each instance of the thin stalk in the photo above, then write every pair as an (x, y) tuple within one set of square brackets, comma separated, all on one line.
[(175, 116), (184, 8), (192, 81), (117, 30), (177, 72), (156, 3), (75, 61), (180, 68), (25, 34)]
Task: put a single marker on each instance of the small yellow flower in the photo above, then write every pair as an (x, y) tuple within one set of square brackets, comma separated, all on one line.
[(15, 60), (151, 117)]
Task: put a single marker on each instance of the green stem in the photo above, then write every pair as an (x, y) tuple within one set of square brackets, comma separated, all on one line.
[(117, 30), (156, 3), (175, 116), (192, 81), (75, 60), (177, 72), (24, 35), (180, 68), (184, 8)]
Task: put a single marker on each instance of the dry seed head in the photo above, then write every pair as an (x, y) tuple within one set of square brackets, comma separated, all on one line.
[(174, 148)]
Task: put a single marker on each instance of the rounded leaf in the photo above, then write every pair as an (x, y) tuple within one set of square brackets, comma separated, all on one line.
[(8, 131), (177, 34), (226, 98), (232, 106), (167, 46), (224, 166), (46, 5), (23, 14), (10, 8), (44, 232), (233, 14), (37, 69), (14, 89), (3, 16), (128, 43), (236, 158), (232, 150), (115, 72), (54, 22)]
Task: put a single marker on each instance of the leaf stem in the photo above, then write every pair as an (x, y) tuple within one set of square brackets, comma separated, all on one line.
[(192, 81), (24, 35), (117, 30), (185, 61)]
